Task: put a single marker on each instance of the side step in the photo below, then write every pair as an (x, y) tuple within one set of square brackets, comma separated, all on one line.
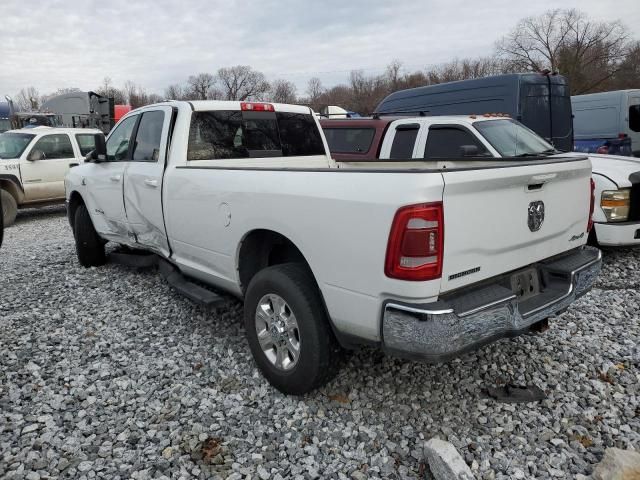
[(134, 259), (192, 291)]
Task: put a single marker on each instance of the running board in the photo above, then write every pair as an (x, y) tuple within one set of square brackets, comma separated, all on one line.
[(134, 259), (197, 294)]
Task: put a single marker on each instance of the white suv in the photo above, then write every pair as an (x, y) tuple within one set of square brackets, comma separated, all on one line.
[(33, 163)]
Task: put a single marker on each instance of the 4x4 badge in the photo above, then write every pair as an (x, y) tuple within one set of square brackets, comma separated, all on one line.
[(536, 215)]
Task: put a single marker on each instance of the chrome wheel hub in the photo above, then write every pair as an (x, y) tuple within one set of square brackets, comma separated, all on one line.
[(278, 332)]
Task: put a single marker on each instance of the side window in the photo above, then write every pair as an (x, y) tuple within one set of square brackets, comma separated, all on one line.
[(634, 118), (404, 141), (86, 143), (446, 142), (118, 142), (147, 145), (349, 140), (54, 147)]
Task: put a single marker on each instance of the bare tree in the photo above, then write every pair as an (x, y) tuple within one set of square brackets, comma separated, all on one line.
[(202, 86), (108, 90), (393, 74), (628, 75), (283, 91), (175, 92), (566, 41), (314, 88), (27, 100), (137, 96), (242, 83)]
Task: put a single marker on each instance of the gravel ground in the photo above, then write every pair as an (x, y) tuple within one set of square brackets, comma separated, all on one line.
[(107, 373)]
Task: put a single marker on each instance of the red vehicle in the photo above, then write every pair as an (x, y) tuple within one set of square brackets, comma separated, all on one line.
[(120, 111), (355, 138)]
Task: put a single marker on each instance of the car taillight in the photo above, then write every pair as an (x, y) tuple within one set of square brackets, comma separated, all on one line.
[(593, 201), (416, 243), (256, 107), (603, 150)]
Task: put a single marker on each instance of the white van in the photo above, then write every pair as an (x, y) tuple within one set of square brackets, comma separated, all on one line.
[(608, 115)]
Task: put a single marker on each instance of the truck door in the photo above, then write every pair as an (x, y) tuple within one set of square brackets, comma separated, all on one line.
[(47, 164), (143, 180), (104, 183)]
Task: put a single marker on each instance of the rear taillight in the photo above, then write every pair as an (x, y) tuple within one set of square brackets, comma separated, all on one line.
[(593, 201), (603, 150), (256, 107), (416, 242)]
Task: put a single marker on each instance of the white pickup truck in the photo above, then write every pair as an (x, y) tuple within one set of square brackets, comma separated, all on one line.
[(617, 191), (33, 163), (423, 260)]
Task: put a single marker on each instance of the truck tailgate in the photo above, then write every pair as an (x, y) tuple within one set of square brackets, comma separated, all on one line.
[(501, 219)]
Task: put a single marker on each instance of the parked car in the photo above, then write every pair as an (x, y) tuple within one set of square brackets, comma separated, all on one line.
[(616, 178), (5, 117), (612, 146), (1, 222), (608, 117), (538, 100), (420, 258), (617, 193), (33, 163)]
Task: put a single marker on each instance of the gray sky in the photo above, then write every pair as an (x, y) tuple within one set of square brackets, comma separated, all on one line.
[(52, 44)]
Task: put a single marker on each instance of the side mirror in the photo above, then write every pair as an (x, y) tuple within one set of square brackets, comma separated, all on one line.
[(36, 155), (99, 153), (469, 150)]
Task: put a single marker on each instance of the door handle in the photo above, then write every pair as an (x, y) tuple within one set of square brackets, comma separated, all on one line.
[(151, 183), (115, 178)]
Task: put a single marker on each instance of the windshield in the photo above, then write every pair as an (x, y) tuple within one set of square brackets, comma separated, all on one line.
[(5, 125), (13, 144), (512, 139)]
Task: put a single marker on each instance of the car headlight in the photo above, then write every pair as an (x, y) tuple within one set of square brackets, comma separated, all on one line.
[(616, 204)]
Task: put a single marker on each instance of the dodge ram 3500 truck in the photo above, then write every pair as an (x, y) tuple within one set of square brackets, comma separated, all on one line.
[(422, 259)]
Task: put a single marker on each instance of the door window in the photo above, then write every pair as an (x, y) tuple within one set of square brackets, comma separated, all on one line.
[(634, 118), (148, 137), (446, 142), (404, 141), (54, 147), (86, 143), (118, 142)]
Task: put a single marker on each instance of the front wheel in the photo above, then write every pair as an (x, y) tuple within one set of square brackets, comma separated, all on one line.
[(288, 331), (89, 245), (9, 208)]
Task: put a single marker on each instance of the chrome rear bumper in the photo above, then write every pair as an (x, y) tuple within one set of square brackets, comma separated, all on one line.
[(468, 319)]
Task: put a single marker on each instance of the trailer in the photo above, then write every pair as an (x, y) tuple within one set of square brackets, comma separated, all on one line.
[(83, 110)]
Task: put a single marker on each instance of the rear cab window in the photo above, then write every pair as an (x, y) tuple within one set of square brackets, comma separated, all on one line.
[(349, 140), (236, 134)]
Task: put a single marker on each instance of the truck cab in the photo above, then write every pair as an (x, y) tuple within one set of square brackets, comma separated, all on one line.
[(34, 162)]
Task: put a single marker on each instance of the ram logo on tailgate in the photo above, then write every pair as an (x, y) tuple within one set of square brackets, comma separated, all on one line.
[(536, 215)]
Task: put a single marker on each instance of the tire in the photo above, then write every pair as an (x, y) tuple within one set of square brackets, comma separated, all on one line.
[(9, 208), (319, 355), (592, 239), (89, 246)]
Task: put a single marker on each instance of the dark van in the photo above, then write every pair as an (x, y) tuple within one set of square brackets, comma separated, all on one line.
[(541, 102)]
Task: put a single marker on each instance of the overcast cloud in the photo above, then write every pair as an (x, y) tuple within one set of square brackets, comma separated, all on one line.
[(52, 44)]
